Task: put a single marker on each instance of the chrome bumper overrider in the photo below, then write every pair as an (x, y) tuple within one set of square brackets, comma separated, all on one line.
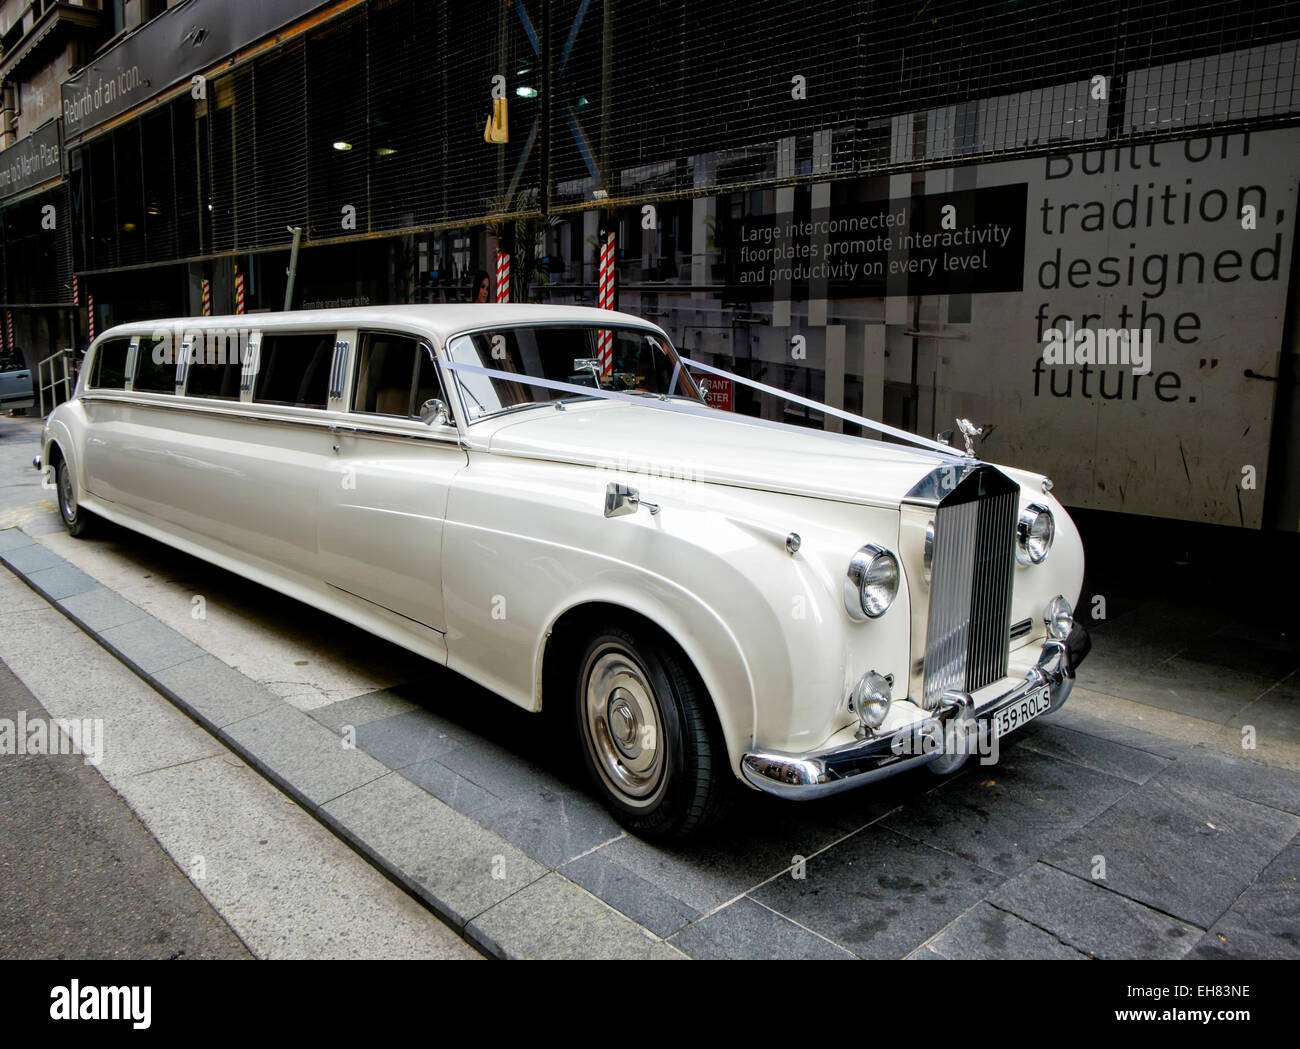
[(854, 764)]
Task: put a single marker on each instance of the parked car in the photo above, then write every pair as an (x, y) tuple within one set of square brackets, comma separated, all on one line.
[(540, 498), (16, 388)]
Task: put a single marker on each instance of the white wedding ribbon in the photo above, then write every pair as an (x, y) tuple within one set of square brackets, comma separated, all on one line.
[(696, 409)]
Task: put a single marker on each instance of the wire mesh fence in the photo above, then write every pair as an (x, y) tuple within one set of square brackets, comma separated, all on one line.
[(373, 122)]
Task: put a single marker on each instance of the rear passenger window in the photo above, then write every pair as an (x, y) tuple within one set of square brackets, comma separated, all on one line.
[(215, 367), (110, 365), (294, 370), (386, 375), (155, 366)]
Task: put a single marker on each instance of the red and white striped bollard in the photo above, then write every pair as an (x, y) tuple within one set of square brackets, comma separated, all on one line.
[(605, 301), (503, 277)]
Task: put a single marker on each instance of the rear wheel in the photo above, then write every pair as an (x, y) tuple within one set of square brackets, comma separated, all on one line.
[(76, 520), (648, 734)]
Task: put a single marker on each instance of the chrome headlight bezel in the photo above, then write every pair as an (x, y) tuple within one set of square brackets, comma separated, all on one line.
[(1035, 533), (876, 569), (1058, 618), (871, 699)]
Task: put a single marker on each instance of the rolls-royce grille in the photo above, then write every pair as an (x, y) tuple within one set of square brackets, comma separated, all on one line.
[(967, 638)]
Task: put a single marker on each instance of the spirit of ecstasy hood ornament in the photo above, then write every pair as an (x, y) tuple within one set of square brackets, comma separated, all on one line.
[(969, 431)]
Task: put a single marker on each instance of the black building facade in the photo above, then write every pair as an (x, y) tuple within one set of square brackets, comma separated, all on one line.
[(884, 205)]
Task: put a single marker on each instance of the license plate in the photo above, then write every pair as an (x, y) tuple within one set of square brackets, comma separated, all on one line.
[(1008, 719)]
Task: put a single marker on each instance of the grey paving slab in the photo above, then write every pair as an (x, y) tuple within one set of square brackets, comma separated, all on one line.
[(746, 929), (552, 828), (879, 894), (29, 557), (1284, 871), (100, 609), (760, 838), (1091, 918), (555, 919), (409, 738), (1003, 816), (1234, 652), (1183, 849), (924, 954), (499, 770), (1092, 752), (1275, 716), (640, 899), (1264, 922), (150, 645), (549, 825), (219, 694), (1116, 732), (457, 866), (985, 932), (1263, 784), (301, 754), (61, 580), (288, 886), (13, 538), (361, 710), (1198, 690)]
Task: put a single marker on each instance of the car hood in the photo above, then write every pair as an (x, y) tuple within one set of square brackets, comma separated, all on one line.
[(712, 446)]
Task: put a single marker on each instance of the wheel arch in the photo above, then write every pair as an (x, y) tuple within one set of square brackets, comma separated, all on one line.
[(708, 648)]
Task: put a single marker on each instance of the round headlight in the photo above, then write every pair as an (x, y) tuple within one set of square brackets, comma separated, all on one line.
[(870, 699), (872, 582), (1034, 534), (1059, 618)]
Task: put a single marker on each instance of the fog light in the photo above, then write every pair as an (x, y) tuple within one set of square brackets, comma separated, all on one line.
[(1059, 618), (870, 699)]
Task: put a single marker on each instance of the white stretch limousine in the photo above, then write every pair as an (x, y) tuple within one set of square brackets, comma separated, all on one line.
[(539, 498)]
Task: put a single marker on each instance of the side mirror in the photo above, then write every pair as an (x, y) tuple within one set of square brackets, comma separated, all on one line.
[(434, 413), (621, 500)]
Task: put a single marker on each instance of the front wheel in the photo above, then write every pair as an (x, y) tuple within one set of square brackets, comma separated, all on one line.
[(649, 736), (75, 519)]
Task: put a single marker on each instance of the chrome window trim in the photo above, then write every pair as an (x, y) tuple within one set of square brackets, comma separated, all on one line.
[(423, 342), (248, 371), (132, 354), (646, 329)]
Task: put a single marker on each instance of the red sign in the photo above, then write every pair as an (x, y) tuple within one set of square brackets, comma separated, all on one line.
[(718, 392)]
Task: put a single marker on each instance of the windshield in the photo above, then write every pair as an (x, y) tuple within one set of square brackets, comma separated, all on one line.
[(638, 362)]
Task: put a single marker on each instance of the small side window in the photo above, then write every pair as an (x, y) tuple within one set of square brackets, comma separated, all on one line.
[(386, 369), (155, 366), (294, 370), (216, 367), (109, 369)]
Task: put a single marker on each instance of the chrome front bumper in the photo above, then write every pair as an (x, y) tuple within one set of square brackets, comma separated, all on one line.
[(855, 764)]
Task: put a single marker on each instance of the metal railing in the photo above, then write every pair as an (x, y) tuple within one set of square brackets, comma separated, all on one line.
[(55, 378)]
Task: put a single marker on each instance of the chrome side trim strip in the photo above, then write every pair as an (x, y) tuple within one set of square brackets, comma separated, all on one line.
[(331, 422)]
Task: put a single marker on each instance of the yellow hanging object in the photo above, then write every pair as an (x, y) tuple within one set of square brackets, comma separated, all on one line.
[(497, 130)]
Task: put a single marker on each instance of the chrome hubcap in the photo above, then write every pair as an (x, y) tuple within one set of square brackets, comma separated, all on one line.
[(622, 725), (69, 497)]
